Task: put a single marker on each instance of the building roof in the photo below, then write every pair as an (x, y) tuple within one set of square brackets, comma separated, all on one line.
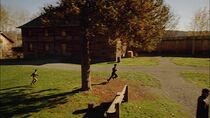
[(37, 22), (10, 40)]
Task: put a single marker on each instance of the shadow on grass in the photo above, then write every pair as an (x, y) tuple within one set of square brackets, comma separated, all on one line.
[(102, 83), (18, 101), (96, 112), (112, 62)]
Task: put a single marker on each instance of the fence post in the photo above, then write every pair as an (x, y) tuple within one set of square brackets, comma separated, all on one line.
[(117, 107), (126, 94), (111, 115)]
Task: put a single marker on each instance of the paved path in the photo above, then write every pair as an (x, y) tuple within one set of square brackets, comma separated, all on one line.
[(172, 85)]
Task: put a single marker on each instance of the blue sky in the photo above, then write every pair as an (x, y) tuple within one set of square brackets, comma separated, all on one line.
[(185, 9)]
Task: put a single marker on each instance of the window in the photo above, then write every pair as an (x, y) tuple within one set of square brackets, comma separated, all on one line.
[(75, 22), (76, 38), (1, 45), (63, 49), (46, 33), (69, 37), (30, 46), (29, 33), (63, 33), (46, 47)]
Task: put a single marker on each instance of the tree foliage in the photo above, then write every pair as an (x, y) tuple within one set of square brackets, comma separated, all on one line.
[(12, 18), (4, 19), (199, 25), (141, 23)]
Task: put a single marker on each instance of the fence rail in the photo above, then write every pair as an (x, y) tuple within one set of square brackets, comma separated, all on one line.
[(114, 109)]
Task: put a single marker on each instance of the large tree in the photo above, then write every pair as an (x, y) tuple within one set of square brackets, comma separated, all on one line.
[(141, 23)]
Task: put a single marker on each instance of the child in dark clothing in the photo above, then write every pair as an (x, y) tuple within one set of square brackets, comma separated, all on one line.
[(34, 77), (202, 105), (113, 75)]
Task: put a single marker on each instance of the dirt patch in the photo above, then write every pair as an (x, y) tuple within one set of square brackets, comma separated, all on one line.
[(107, 91)]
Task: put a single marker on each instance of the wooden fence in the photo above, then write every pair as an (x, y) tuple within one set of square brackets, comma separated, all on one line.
[(114, 109), (185, 45)]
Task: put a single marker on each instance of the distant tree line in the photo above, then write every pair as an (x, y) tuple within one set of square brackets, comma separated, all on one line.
[(200, 24), (10, 19)]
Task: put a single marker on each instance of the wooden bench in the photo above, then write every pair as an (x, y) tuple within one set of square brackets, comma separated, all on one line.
[(113, 111)]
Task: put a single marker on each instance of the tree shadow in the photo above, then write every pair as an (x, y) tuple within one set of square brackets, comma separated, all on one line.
[(112, 62), (96, 112), (102, 83), (17, 101), (26, 86)]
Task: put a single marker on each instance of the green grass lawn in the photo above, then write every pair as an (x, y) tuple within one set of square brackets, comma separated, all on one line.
[(200, 79), (136, 77), (54, 95), (182, 61), (159, 108), (57, 95), (135, 61)]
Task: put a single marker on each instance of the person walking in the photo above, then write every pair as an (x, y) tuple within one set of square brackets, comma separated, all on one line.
[(202, 105)]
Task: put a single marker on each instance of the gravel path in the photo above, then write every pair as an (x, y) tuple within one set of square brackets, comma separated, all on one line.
[(172, 85), (175, 87)]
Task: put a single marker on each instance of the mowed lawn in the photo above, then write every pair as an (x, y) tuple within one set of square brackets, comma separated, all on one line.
[(196, 62), (57, 95), (135, 61), (197, 78), (54, 95)]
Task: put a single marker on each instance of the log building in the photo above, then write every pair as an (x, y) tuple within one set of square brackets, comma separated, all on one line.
[(61, 40)]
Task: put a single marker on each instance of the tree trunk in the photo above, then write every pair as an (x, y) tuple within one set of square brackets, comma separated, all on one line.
[(85, 65), (85, 60)]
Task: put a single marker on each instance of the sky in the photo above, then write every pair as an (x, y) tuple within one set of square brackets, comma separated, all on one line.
[(185, 9)]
